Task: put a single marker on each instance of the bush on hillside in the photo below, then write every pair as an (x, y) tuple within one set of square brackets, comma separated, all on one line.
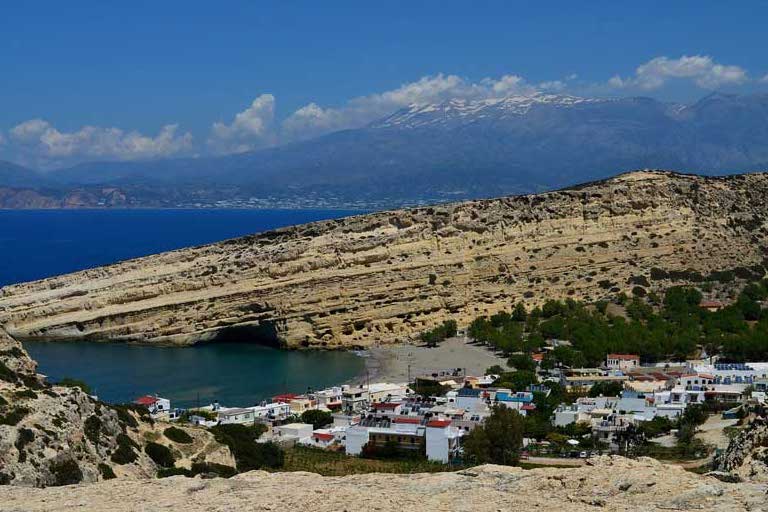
[(160, 454), (177, 435), (66, 472), (249, 454)]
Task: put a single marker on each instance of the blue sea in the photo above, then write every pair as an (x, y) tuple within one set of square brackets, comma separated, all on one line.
[(42, 243)]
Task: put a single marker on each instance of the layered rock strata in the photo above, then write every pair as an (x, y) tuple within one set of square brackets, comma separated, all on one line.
[(388, 276)]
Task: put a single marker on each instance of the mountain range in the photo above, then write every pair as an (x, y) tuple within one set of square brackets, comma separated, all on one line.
[(456, 149)]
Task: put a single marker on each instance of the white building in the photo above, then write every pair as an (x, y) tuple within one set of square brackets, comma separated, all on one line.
[(734, 373), (275, 411), (295, 431), (382, 391), (622, 362), (157, 406), (442, 440), (235, 415)]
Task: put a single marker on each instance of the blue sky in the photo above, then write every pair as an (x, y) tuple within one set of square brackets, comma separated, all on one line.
[(101, 80)]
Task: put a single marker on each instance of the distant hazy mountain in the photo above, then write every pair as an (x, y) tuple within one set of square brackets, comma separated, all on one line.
[(459, 149), (13, 175)]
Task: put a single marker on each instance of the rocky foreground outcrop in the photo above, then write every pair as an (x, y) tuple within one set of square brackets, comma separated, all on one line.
[(611, 484), (746, 457), (387, 276), (55, 435)]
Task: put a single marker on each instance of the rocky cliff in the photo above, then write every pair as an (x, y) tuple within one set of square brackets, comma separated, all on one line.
[(612, 484), (387, 276), (55, 435), (747, 454)]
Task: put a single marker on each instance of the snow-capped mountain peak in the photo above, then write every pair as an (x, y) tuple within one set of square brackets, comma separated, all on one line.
[(462, 111)]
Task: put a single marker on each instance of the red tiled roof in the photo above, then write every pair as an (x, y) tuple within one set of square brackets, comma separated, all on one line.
[(386, 405), (528, 407), (439, 423), (404, 419), (145, 400), (322, 436), (710, 304), (537, 357), (623, 357), (286, 397)]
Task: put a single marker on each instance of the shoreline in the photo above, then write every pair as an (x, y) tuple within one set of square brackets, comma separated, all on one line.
[(395, 362)]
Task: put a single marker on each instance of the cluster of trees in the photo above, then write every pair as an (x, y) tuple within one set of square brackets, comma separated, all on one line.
[(656, 329), (249, 454), (317, 418), (440, 333), (498, 441)]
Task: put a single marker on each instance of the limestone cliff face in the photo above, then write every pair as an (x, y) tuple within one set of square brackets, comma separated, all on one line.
[(386, 276), (55, 435)]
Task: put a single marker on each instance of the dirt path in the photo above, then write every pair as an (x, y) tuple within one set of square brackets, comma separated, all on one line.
[(712, 431)]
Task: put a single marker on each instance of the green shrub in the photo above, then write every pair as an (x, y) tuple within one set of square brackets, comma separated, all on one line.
[(66, 472), (14, 416), (219, 470), (3, 401), (106, 472), (177, 435), (166, 472), (13, 352), (92, 429), (6, 373), (24, 394), (68, 382), (316, 417), (24, 437), (248, 454), (160, 454), (125, 453), (124, 416)]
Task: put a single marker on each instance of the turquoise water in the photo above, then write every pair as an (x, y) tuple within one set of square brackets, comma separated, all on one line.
[(234, 374)]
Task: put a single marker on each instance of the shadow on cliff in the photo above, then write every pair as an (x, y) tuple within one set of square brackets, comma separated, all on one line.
[(264, 334)]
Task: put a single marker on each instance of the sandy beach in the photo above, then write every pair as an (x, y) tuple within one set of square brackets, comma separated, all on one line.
[(391, 363)]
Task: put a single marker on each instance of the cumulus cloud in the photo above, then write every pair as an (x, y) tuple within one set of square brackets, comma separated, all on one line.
[(313, 119), (764, 80), (39, 142), (251, 128), (701, 69)]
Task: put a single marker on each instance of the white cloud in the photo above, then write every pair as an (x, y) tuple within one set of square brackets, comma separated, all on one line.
[(701, 69), (313, 119), (249, 129), (764, 80), (39, 142)]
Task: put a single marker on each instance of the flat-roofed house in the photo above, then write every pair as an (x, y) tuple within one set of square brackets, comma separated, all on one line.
[(622, 361)]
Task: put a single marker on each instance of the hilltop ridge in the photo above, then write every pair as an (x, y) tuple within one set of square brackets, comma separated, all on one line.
[(607, 483), (387, 276)]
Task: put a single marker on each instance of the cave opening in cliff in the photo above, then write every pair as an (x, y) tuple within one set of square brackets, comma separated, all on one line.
[(264, 333)]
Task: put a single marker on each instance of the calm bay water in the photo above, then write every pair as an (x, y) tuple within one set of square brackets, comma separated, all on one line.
[(42, 243), (235, 374)]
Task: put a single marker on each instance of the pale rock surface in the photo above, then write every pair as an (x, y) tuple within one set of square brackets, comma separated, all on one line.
[(611, 484), (388, 276)]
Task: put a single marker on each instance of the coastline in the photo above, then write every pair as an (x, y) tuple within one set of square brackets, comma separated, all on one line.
[(394, 363)]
